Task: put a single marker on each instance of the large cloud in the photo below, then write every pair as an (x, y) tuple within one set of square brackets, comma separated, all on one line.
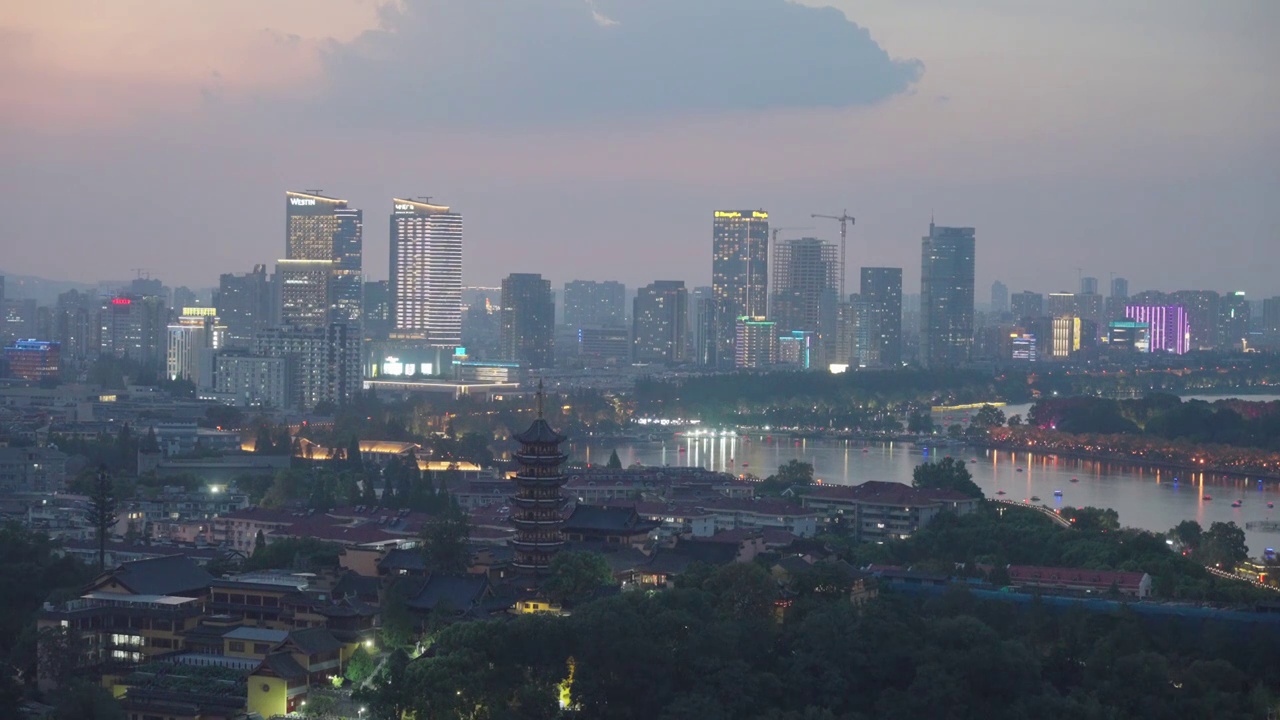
[(507, 62)]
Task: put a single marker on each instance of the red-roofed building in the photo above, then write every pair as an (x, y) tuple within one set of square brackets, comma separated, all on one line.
[(881, 511), (1074, 580), (239, 528)]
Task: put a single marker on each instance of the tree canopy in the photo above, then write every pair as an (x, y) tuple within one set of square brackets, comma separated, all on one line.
[(945, 474)]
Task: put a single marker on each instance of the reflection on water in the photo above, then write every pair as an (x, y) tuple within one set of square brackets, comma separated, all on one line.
[(1145, 497)]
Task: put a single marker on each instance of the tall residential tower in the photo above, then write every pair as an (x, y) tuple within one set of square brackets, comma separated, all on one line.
[(426, 272), (946, 295)]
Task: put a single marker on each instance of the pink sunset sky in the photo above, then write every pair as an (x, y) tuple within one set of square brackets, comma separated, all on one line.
[(593, 139)]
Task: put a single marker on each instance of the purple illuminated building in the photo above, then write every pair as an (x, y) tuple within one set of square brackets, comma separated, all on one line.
[(1169, 329)]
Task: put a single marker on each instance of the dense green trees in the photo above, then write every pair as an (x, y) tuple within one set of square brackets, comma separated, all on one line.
[(1226, 422), (946, 474), (576, 576), (444, 541), (705, 652), (793, 473)]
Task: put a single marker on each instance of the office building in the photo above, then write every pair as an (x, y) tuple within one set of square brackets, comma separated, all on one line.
[(33, 360), (1202, 313), (322, 234), (755, 343), (739, 274), (133, 327), (1066, 336), (1023, 346), (798, 348), (1129, 335), (1271, 320), (305, 292), (604, 347), (426, 272), (659, 322), (347, 287), (1118, 298), (1027, 304), (1089, 306), (806, 276), (1088, 286), (1235, 312), (191, 340), (377, 309), (999, 298), (527, 331), (322, 362), (946, 295), (1168, 329), (696, 296), (591, 304), (706, 337), (75, 327), (881, 294), (244, 304), (1063, 303), (244, 380)]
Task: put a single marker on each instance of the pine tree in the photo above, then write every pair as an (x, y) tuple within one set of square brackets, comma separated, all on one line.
[(102, 512), (615, 462), (259, 543)]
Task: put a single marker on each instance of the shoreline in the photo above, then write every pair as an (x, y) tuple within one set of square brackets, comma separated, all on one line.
[(1103, 457)]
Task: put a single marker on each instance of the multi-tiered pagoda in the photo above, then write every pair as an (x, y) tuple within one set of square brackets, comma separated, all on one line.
[(537, 504)]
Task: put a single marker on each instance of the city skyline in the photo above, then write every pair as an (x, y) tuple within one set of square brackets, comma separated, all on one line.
[(1086, 160)]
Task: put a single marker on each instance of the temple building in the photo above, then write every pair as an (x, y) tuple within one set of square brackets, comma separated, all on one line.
[(538, 500)]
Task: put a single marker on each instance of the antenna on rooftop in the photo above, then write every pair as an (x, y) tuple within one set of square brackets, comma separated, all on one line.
[(540, 397)]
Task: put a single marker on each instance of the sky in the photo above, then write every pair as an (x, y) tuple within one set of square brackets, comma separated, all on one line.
[(594, 138)]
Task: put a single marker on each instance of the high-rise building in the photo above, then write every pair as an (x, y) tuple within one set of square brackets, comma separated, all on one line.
[(1090, 308), (527, 331), (322, 361), (1062, 304), (881, 293), (306, 292), (245, 380), (348, 266), (1168, 329), (946, 295), (1271, 320), (244, 304), (133, 327), (193, 338), (426, 272), (1203, 315), (592, 304), (707, 348), (739, 274), (659, 323), (377, 309), (1027, 304), (1119, 287), (755, 343), (1088, 286), (999, 298), (75, 327), (319, 230), (806, 276), (1128, 335), (1066, 336), (696, 296), (1118, 298), (1235, 311)]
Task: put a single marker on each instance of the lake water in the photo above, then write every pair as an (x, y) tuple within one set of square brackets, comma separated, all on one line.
[(1144, 497)]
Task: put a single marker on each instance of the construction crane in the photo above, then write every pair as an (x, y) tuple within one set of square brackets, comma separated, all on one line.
[(786, 229), (845, 221)]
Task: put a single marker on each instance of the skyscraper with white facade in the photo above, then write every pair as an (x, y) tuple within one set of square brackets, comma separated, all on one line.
[(426, 272)]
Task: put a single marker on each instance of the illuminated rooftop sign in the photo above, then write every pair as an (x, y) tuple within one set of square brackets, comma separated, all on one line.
[(735, 214)]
